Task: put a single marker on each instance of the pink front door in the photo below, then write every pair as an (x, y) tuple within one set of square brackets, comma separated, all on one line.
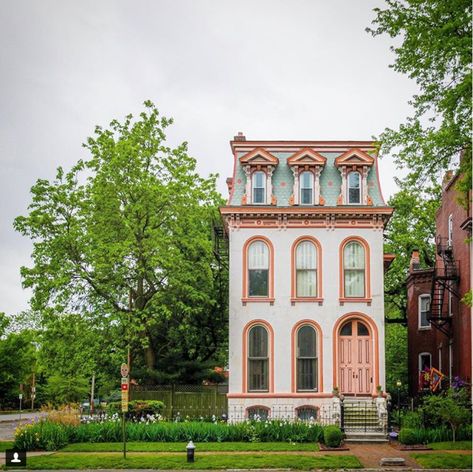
[(355, 358)]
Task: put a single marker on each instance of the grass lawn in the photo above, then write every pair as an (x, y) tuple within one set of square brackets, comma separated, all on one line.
[(61, 460), (443, 461), (181, 447), (450, 445), (4, 445)]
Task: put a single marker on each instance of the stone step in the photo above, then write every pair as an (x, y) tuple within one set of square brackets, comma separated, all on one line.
[(376, 437)]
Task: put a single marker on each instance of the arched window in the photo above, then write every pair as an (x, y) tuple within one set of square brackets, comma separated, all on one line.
[(306, 181), (306, 269), (259, 187), (258, 359), (354, 187), (257, 413), (258, 269), (306, 358), (306, 413), (354, 270)]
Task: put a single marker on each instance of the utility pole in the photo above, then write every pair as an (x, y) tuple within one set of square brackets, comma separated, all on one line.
[(33, 390)]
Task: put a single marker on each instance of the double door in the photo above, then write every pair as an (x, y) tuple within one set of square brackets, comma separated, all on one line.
[(355, 358)]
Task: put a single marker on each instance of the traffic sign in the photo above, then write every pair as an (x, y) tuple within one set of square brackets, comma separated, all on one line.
[(20, 396), (124, 370)]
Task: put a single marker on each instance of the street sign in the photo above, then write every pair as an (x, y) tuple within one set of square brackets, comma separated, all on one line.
[(125, 391), (124, 370), (20, 396)]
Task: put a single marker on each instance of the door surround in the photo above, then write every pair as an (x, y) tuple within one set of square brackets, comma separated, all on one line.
[(374, 335)]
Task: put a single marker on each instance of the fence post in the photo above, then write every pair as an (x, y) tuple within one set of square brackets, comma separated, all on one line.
[(214, 399), (172, 401)]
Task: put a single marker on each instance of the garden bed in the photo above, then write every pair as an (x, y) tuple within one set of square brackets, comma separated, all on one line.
[(50, 436)]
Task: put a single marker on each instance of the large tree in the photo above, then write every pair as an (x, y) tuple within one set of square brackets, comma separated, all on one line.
[(412, 226), (124, 238), (433, 47)]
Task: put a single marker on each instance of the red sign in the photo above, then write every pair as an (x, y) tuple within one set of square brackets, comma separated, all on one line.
[(124, 387)]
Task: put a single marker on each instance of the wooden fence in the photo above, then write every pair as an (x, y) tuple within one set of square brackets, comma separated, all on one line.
[(193, 401)]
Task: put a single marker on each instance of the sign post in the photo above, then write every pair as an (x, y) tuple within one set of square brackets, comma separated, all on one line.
[(125, 398), (20, 397)]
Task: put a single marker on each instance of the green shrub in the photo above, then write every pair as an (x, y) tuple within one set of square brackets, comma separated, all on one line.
[(412, 419), (332, 436), (408, 436), (137, 407)]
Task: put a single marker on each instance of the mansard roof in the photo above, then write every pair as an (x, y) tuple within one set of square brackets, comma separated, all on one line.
[(284, 154)]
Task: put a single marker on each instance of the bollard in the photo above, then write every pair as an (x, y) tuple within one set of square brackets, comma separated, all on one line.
[(190, 451)]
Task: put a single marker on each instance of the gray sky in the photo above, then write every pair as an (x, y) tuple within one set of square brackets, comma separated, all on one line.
[(291, 69)]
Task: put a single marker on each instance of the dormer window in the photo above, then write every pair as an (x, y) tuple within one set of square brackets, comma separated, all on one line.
[(259, 166), (307, 188), (306, 165), (354, 166), (259, 187), (354, 188)]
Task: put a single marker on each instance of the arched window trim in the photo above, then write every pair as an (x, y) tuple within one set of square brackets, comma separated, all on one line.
[(360, 176), (245, 350), (259, 407), (318, 331), (245, 296), (265, 173), (367, 298), (318, 248), (311, 172)]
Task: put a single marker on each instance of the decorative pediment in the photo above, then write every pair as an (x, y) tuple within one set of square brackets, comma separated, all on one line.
[(306, 157), (259, 157), (354, 157)]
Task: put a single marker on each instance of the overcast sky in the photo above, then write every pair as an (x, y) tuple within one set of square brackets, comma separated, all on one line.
[(289, 69)]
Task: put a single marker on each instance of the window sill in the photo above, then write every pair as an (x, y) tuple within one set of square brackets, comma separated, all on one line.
[(318, 300), (344, 300), (424, 328), (246, 300)]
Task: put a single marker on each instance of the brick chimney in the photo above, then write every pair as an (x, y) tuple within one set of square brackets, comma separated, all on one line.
[(239, 137), (447, 178), (415, 261)]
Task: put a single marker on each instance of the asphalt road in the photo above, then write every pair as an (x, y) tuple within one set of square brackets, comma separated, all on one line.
[(8, 423)]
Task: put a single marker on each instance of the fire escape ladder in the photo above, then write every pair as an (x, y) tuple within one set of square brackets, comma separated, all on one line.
[(444, 280)]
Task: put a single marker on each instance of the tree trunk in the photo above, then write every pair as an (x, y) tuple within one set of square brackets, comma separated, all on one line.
[(150, 357)]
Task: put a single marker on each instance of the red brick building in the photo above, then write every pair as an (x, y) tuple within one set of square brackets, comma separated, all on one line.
[(439, 324)]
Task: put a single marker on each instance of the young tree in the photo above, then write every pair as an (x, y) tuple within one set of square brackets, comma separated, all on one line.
[(435, 50), (125, 238)]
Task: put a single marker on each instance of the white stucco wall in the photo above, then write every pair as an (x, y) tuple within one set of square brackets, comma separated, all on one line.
[(283, 316)]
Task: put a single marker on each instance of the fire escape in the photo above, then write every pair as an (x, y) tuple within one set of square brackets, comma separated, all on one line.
[(445, 279)]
